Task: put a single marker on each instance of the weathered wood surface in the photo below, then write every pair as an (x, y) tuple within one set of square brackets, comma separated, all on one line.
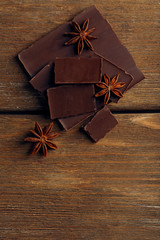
[(24, 21), (103, 191)]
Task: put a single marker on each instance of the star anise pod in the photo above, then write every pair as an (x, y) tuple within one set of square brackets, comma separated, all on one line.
[(109, 86), (81, 36), (42, 138)]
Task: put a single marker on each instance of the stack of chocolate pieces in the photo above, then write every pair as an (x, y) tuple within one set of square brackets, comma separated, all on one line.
[(69, 80)]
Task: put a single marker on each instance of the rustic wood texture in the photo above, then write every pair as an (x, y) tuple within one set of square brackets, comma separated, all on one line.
[(24, 21), (103, 191)]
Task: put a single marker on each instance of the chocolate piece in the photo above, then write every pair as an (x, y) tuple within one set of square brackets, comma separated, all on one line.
[(71, 122), (117, 57), (40, 83), (71, 100), (78, 70), (102, 122), (44, 79)]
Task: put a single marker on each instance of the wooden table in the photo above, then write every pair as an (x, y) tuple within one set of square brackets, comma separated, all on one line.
[(103, 191)]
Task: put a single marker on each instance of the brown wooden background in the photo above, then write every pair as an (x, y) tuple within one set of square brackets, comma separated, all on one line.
[(103, 191)]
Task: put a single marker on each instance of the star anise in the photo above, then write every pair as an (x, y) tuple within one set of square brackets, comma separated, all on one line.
[(42, 138), (81, 36), (109, 86)]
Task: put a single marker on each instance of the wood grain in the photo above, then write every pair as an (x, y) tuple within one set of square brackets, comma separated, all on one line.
[(103, 191), (24, 21)]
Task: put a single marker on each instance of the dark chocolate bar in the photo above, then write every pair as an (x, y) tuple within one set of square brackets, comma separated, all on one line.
[(78, 70), (102, 122), (71, 100), (116, 58)]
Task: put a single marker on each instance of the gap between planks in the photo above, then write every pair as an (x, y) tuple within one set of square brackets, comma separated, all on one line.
[(40, 112)]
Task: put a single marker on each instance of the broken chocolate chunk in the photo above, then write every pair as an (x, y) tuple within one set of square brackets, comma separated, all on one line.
[(101, 123), (70, 122), (44, 79)]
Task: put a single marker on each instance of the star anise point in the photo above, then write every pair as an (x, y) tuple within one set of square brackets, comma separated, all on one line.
[(81, 36), (42, 138), (108, 86)]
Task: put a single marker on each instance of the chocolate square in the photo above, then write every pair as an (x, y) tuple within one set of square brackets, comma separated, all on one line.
[(101, 123), (71, 100), (78, 70)]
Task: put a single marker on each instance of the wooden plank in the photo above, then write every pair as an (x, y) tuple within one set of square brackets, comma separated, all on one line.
[(23, 22), (108, 190)]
